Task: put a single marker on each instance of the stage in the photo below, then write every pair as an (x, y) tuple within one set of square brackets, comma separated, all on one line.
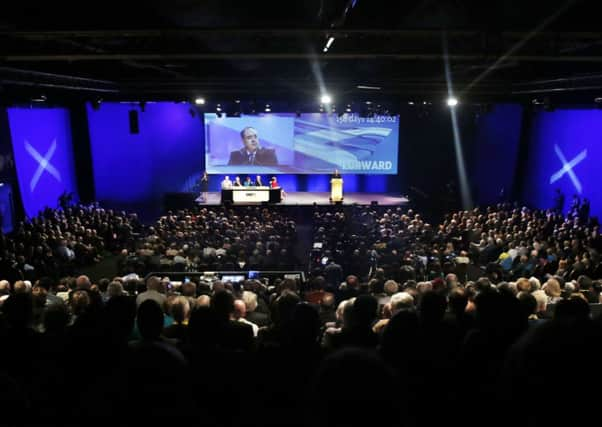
[(322, 198)]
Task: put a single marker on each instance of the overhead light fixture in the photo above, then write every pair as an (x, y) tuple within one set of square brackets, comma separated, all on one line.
[(368, 102), (348, 109), (218, 108), (41, 98), (199, 101), (326, 99), (410, 102), (328, 44), (452, 101), (237, 101), (369, 87)]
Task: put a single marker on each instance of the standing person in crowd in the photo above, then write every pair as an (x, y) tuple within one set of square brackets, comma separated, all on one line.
[(204, 186)]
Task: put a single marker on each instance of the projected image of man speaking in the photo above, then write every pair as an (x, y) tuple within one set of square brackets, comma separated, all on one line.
[(252, 153)]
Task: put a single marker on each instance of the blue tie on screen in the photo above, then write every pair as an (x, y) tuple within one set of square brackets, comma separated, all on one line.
[(251, 159)]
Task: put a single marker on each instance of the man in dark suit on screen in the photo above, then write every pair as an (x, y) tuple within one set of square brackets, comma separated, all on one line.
[(252, 153)]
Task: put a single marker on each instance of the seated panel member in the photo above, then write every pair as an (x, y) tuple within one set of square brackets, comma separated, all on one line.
[(237, 182), (226, 183), (248, 182), (252, 153), (258, 182)]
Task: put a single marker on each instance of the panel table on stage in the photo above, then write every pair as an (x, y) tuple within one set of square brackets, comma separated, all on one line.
[(242, 195)]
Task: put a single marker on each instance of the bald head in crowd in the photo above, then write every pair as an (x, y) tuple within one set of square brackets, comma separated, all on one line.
[(153, 283), (203, 301), (240, 309), (83, 282), (4, 287)]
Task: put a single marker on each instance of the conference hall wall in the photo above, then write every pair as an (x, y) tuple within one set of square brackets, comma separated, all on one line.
[(168, 153), (565, 152)]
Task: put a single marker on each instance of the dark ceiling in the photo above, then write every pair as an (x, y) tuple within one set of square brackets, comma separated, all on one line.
[(177, 49)]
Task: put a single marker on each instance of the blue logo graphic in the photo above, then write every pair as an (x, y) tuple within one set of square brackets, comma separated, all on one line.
[(43, 164), (567, 168)]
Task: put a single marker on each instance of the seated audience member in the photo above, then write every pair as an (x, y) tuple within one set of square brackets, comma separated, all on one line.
[(233, 335), (252, 315), (155, 291), (179, 308), (240, 312), (327, 311), (357, 328), (398, 301)]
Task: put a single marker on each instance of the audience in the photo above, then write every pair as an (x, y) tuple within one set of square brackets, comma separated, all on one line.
[(402, 323)]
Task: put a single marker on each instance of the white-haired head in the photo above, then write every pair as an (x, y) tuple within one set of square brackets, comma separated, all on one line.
[(401, 301), (542, 300), (250, 299)]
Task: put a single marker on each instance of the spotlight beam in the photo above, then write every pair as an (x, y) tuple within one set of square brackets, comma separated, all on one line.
[(461, 167)]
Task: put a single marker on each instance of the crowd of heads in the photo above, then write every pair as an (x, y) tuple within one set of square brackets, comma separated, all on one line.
[(349, 352), (503, 243), (219, 238), (489, 309), (59, 241)]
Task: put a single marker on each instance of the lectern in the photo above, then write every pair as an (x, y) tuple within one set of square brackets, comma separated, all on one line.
[(336, 190)]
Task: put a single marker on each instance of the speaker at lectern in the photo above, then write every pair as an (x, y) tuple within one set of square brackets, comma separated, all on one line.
[(336, 190)]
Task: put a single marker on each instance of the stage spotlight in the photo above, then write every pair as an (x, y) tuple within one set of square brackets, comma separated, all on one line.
[(348, 109), (199, 101), (410, 102), (267, 108), (218, 108), (452, 101), (325, 99)]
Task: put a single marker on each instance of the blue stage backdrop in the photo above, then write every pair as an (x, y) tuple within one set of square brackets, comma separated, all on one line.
[(166, 156), (41, 139), (565, 153), (496, 142)]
